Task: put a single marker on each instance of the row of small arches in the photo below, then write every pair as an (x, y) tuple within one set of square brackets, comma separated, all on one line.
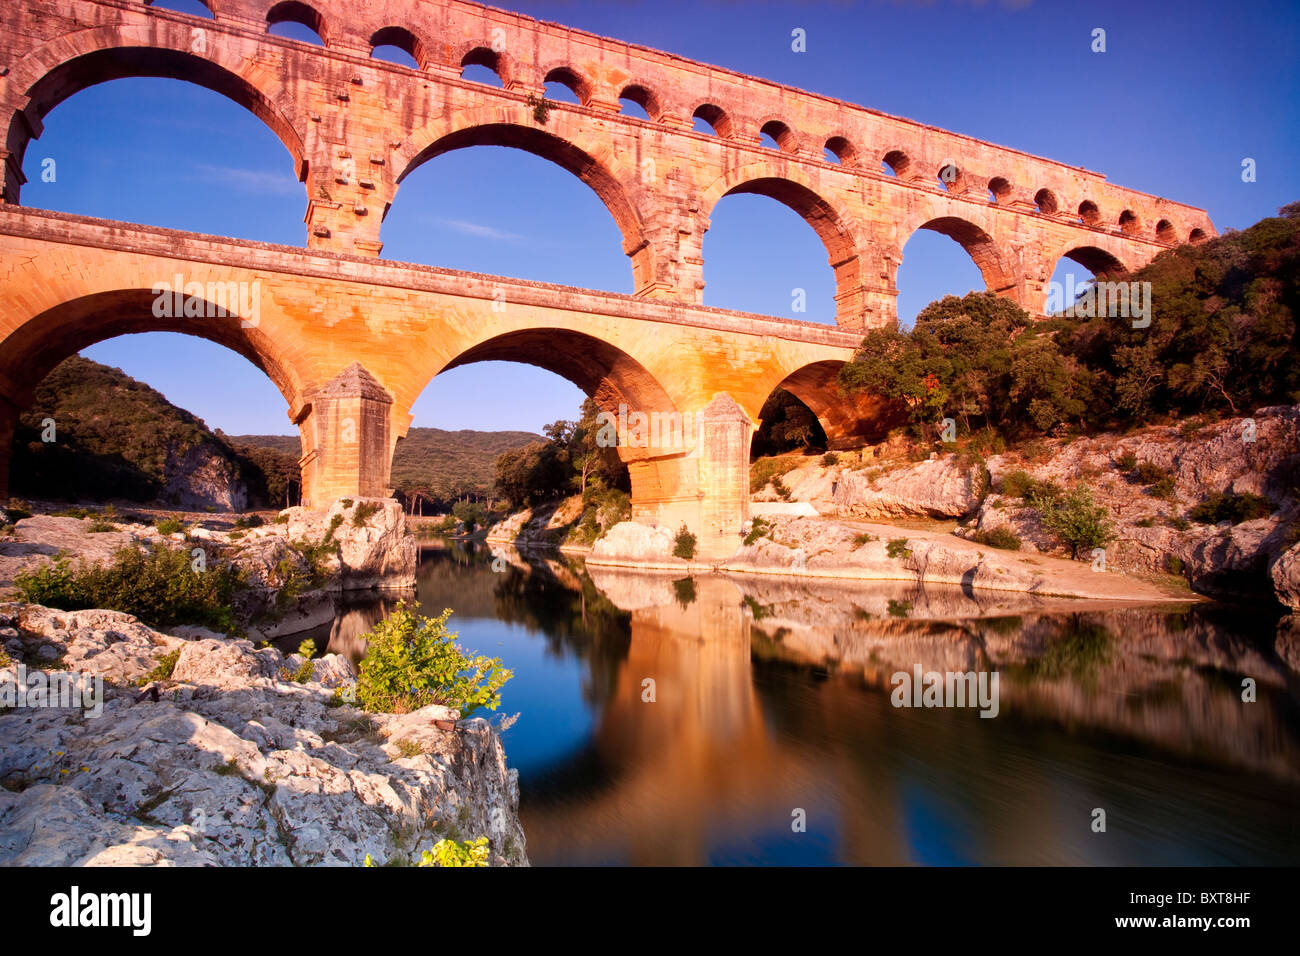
[(297, 20)]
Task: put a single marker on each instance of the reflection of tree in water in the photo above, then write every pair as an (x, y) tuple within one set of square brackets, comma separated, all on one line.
[(581, 622), (1078, 651)]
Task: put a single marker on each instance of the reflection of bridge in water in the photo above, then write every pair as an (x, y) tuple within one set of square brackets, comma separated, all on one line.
[(772, 696)]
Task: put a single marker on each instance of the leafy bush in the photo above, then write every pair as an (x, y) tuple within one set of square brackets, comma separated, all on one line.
[(1000, 537), (160, 587), (169, 526), (1231, 507), (412, 661), (1126, 462), (365, 511), (166, 664), (1148, 473), (684, 544), (758, 528), (830, 459), (1078, 520), (781, 489), (17, 510), (1163, 488), (1020, 484), (306, 670), (897, 548), (865, 538), (251, 521)]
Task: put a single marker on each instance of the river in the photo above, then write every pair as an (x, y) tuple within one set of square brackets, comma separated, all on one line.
[(718, 721)]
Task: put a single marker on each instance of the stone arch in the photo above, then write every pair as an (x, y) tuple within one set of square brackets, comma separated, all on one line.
[(206, 4), (606, 373), (492, 126), (794, 189), (842, 149), (784, 137), (29, 351), (716, 117), (1046, 202), (1000, 188), (404, 40), (1129, 223), (1197, 236), (644, 97), (64, 67), (480, 54), (1100, 262), (1089, 214), (571, 80), (1165, 232), (998, 272), (849, 420), (898, 161), (295, 11)]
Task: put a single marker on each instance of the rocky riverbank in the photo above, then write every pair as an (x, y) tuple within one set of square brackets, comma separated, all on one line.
[(295, 567), (228, 756), (878, 514)]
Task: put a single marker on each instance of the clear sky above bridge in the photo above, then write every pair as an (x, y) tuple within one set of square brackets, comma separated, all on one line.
[(1182, 95)]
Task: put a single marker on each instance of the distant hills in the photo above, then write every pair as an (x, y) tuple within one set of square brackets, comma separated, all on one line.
[(117, 438), (441, 465)]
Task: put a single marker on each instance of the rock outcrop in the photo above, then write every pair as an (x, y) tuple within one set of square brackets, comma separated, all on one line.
[(375, 549), (239, 757), (942, 487)]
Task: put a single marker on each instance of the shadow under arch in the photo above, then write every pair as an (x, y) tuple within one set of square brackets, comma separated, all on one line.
[(56, 78), (786, 187), (849, 419), (608, 188), (998, 275)]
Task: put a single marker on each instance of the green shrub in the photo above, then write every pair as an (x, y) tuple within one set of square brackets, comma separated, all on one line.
[(166, 664), (365, 511), (684, 544), (457, 853), (1020, 484), (306, 670), (1126, 462), (1148, 474), (346, 502), (160, 587), (251, 521), (1231, 507), (830, 459), (897, 548), (758, 528), (1078, 520), (99, 527), (781, 489), (17, 510), (1000, 537), (1178, 522), (1163, 488), (412, 661), (865, 538), (169, 526)]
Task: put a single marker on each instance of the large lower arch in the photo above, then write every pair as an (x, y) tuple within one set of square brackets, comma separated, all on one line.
[(849, 420), (57, 71), (605, 372), (597, 175), (31, 350), (794, 190)]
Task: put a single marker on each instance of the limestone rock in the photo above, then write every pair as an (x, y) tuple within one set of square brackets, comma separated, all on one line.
[(235, 763), (632, 541), (941, 487)]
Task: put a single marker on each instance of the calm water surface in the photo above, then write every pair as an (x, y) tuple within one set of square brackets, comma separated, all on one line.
[(773, 697)]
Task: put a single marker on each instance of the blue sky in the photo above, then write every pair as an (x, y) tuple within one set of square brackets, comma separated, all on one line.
[(1182, 94)]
